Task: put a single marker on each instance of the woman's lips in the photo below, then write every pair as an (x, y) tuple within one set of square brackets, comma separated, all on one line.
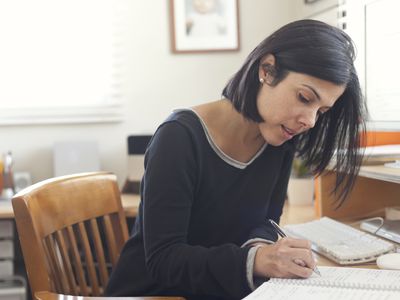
[(287, 132)]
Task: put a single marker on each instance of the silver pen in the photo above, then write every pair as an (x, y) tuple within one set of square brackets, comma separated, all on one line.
[(280, 232)]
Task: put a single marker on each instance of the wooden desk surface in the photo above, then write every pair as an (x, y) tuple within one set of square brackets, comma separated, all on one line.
[(6, 211), (130, 203), (54, 296)]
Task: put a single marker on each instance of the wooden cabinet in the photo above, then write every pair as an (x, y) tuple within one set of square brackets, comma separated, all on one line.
[(376, 188)]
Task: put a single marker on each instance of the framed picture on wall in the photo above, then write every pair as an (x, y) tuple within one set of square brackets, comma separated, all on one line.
[(204, 25)]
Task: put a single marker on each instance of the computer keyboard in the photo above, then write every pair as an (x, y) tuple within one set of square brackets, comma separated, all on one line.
[(340, 242)]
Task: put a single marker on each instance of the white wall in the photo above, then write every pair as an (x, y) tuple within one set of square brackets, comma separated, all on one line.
[(158, 82)]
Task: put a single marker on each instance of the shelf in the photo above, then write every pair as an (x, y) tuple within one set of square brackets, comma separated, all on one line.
[(381, 173)]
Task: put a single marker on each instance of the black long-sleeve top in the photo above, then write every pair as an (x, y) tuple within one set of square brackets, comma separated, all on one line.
[(198, 207)]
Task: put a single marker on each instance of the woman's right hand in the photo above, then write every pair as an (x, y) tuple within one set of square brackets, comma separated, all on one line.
[(287, 258)]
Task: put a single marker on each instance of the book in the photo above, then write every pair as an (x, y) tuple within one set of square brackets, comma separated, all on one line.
[(375, 155), (335, 283), (380, 154)]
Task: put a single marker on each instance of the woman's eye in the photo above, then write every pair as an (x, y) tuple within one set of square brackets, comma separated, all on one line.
[(303, 99)]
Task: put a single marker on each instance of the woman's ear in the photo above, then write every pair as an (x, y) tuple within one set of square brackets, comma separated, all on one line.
[(267, 71), (268, 59)]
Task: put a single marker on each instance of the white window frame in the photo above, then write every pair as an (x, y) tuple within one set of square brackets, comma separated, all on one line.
[(29, 29)]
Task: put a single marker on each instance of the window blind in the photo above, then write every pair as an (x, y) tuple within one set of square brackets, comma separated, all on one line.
[(60, 61)]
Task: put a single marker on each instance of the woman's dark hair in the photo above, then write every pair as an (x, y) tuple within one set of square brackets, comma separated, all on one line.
[(325, 52)]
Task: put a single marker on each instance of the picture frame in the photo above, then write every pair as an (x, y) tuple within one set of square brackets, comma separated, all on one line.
[(204, 25)]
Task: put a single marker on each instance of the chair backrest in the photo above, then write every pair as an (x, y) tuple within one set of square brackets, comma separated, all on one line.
[(72, 229)]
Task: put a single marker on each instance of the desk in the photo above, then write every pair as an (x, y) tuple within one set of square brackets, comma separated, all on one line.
[(130, 203), (6, 211), (53, 296), (376, 187)]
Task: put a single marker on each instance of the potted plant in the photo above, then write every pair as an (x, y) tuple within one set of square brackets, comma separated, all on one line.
[(301, 184)]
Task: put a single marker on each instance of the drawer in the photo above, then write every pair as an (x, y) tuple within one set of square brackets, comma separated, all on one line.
[(6, 249), (6, 268), (13, 288), (6, 229)]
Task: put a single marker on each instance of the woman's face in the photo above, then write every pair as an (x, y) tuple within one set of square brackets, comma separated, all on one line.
[(293, 105)]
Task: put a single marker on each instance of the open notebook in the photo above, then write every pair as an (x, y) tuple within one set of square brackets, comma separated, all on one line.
[(335, 283)]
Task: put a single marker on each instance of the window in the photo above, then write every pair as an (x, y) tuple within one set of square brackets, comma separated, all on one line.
[(60, 61)]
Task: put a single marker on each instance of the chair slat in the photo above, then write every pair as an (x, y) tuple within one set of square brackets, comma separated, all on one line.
[(120, 229), (52, 272), (91, 271), (99, 252), (66, 262), (110, 237), (52, 248), (84, 291)]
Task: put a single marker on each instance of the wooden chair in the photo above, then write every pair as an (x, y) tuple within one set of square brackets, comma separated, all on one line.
[(71, 229)]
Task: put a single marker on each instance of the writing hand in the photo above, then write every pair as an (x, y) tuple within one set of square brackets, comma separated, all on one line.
[(287, 258)]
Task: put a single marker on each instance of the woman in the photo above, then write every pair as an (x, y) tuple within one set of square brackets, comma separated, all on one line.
[(215, 174)]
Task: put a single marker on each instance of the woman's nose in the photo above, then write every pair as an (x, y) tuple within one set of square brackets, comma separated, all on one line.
[(308, 118)]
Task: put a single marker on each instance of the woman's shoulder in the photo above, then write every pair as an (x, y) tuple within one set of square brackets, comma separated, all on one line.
[(179, 124), (184, 120), (182, 115)]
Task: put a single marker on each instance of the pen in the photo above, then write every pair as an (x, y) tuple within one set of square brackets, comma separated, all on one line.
[(279, 231)]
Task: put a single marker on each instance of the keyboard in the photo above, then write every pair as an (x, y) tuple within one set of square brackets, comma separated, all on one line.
[(340, 242)]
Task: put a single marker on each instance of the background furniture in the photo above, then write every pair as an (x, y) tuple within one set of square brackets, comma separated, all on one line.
[(6, 248), (137, 145), (375, 188), (60, 222)]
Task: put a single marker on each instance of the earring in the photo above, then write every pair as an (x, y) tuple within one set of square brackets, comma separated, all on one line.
[(261, 80)]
